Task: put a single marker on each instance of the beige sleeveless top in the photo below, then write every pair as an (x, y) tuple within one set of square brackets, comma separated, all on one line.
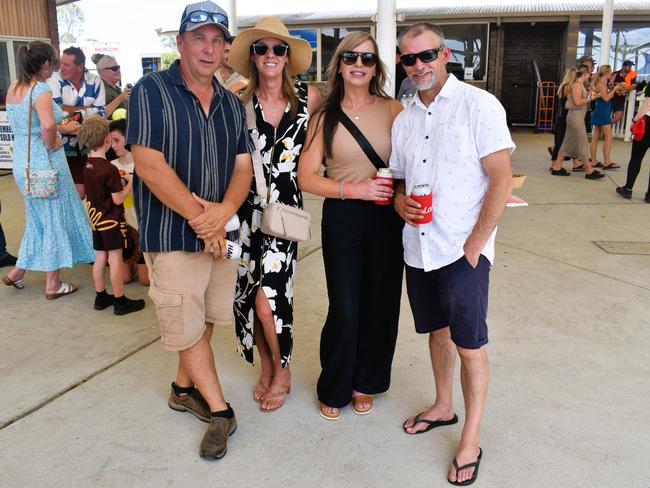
[(348, 161)]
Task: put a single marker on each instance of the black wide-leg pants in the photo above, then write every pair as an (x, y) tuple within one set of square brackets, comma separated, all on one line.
[(363, 257)]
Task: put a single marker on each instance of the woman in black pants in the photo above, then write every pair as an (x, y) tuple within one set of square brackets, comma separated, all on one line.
[(362, 246), (639, 148)]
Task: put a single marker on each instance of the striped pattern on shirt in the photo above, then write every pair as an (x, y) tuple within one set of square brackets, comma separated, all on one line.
[(91, 94), (166, 116)]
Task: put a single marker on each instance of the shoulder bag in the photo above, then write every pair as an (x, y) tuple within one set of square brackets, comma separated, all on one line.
[(278, 219), (41, 183)]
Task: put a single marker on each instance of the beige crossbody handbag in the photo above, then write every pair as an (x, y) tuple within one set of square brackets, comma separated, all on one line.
[(278, 219)]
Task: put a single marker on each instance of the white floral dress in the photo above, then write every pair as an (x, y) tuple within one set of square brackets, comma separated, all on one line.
[(270, 262)]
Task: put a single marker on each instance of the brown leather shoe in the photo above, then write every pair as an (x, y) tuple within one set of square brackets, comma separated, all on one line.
[(215, 441), (192, 402)]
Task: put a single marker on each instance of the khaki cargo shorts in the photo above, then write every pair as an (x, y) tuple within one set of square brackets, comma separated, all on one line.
[(190, 290)]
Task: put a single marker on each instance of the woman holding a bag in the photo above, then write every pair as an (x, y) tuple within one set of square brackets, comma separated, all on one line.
[(280, 108), (362, 241), (57, 232), (640, 145)]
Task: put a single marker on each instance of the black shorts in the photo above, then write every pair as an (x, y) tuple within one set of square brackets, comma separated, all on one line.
[(455, 296), (618, 104), (109, 240)]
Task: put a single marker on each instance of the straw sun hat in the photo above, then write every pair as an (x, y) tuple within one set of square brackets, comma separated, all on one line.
[(299, 49)]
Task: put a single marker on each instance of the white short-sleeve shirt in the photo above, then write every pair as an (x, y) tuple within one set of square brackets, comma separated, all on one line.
[(442, 145)]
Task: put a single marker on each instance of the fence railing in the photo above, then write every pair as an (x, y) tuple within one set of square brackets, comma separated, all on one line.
[(622, 128)]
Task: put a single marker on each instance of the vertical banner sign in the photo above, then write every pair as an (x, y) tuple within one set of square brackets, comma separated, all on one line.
[(6, 143)]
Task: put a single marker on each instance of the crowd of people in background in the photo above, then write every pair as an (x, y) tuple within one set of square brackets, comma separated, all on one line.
[(180, 171), (590, 103)]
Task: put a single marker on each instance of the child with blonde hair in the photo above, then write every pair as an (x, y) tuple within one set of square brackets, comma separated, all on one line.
[(105, 197)]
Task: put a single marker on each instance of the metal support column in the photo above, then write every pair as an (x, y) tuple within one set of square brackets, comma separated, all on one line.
[(606, 39), (231, 8), (386, 38)]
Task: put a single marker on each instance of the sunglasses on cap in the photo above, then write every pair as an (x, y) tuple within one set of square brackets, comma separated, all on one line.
[(114, 69), (425, 56), (261, 49), (200, 16), (367, 59)]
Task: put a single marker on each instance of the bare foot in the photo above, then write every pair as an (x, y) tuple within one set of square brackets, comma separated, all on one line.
[(261, 387), (434, 413), (277, 391), (464, 456)]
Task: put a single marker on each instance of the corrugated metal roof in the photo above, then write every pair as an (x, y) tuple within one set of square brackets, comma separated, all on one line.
[(448, 8), (494, 8)]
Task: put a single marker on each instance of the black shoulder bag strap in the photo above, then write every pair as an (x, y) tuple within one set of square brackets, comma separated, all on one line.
[(362, 141)]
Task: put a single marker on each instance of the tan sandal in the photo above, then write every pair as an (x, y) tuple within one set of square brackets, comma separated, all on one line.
[(15, 283), (65, 289), (327, 415), (358, 400)]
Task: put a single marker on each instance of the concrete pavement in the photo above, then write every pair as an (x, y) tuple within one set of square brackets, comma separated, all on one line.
[(84, 392)]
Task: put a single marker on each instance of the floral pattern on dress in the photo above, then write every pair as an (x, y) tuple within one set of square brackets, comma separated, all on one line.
[(268, 262)]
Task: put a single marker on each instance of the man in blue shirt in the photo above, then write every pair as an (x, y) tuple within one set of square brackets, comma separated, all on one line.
[(193, 169)]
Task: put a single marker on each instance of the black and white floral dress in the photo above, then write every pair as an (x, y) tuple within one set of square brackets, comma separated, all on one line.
[(270, 262)]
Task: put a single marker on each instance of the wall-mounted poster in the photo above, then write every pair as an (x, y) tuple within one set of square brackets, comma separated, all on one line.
[(6, 143)]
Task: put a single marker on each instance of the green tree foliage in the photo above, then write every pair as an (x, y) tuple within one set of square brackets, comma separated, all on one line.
[(71, 22), (169, 58)]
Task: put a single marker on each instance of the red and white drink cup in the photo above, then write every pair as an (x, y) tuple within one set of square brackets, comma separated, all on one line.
[(384, 174), (422, 195)]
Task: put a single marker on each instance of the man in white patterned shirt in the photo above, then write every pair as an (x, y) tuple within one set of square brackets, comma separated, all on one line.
[(75, 89), (454, 138)]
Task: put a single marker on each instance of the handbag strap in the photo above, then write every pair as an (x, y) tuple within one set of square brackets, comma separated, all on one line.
[(29, 136), (361, 140), (258, 170)]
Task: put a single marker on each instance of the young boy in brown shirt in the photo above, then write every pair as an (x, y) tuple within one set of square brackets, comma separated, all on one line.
[(104, 197)]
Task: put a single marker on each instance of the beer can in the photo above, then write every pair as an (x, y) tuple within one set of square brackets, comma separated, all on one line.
[(422, 194), (387, 174)]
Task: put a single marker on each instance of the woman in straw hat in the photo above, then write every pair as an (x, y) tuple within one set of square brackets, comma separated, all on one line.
[(271, 59), (362, 242)]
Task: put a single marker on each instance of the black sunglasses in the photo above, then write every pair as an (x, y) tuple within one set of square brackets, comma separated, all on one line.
[(114, 69), (261, 49), (425, 56), (350, 58)]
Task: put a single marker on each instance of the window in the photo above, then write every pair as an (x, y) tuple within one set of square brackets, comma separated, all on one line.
[(150, 64), (17, 45), (629, 42), (311, 36), (330, 39), (469, 47)]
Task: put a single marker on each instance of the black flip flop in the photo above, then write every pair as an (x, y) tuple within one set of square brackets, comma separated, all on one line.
[(431, 424), (474, 465)]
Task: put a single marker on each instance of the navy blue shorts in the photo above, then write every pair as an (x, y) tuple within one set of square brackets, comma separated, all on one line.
[(455, 296)]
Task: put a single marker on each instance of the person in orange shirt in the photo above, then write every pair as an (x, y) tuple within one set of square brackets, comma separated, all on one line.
[(624, 81)]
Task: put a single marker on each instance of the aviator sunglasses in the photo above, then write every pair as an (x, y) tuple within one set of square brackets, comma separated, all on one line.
[(350, 58), (425, 56), (114, 69), (261, 49)]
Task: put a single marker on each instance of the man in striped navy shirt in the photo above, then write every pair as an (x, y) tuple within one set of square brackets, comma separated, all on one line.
[(191, 150), (75, 89)]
